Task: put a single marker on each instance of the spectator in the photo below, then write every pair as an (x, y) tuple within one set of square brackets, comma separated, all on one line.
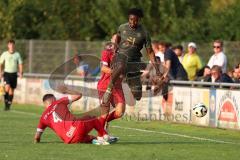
[(205, 73), (174, 69), (179, 52), (82, 69), (236, 74), (156, 50), (218, 58), (191, 61), (12, 62), (218, 76)]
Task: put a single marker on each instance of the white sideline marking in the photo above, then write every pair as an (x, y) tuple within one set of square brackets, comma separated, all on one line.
[(176, 134), (26, 113), (149, 131)]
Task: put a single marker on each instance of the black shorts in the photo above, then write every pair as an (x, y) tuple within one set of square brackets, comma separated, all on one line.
[(131, 71), (10, 79)]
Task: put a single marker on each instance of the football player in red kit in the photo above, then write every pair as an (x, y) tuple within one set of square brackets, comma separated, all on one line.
[(117, 99), (68, 127)]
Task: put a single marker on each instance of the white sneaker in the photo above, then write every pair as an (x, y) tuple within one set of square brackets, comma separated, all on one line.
[(100, 141)]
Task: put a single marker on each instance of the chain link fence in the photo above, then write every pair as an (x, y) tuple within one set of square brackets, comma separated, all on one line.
[(43, 56)]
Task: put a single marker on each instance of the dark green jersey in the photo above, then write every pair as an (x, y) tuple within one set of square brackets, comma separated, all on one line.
[(133, 40)]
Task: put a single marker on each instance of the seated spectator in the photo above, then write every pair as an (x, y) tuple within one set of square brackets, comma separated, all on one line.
[(230, 73), (218, 58), (203, 73), (236, 74), (179, 52), (191, 61), (218, 76)]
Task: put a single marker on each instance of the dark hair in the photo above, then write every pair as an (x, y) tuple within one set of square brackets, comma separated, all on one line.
[(206, 67), (178, 47), (201, 71), (11, 41), (136, 11), (237, 66), (47, 96)]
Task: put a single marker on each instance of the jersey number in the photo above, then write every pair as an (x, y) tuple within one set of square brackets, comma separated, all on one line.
[(131, 40), (56, 118)]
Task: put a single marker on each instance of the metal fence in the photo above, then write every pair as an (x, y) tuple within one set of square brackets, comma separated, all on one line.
[(43, 56)]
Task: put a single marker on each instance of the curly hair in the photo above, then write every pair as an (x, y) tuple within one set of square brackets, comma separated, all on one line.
[(136, 11)]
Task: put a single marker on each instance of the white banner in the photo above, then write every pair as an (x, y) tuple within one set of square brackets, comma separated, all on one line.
[(181, 104)]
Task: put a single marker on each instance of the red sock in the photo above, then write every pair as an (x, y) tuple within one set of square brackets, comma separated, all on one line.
[(111, 117), (100, 129), (102, 121)]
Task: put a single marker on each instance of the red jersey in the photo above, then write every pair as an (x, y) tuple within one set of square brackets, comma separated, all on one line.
[(60, 120), (106, 59)]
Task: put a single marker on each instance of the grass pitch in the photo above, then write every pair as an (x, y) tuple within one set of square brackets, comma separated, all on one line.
[(138, 140)]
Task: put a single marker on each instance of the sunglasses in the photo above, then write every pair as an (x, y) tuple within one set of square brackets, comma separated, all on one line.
[(216, 46)]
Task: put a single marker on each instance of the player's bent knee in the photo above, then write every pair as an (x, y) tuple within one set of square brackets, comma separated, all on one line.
[(118, 114), (120, 109)]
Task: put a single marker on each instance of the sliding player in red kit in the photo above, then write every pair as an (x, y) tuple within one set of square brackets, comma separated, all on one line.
[(117, 99), (68, 127)]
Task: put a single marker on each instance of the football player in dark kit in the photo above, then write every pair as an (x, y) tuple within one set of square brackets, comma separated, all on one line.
[(131, 38)]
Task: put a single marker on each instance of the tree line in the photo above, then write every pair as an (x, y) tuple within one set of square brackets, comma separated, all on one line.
[(170, 20)]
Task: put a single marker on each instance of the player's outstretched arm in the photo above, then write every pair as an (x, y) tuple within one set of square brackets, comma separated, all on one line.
[(73, 95)]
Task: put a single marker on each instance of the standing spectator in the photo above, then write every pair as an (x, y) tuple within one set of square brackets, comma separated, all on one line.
[(218, 58), (191, 61), (12, 62), (179, 52), (174, 69)]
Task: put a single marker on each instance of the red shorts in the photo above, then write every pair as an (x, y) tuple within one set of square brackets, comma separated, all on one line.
[(116, 97), (83, 129)]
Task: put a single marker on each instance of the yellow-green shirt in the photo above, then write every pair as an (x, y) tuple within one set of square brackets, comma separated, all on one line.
[(191, 63), (11, 61)]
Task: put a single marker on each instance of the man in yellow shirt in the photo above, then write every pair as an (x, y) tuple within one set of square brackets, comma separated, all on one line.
[(191, 61)]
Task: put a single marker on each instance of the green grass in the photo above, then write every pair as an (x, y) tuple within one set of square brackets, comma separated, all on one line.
[(18, 126)]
